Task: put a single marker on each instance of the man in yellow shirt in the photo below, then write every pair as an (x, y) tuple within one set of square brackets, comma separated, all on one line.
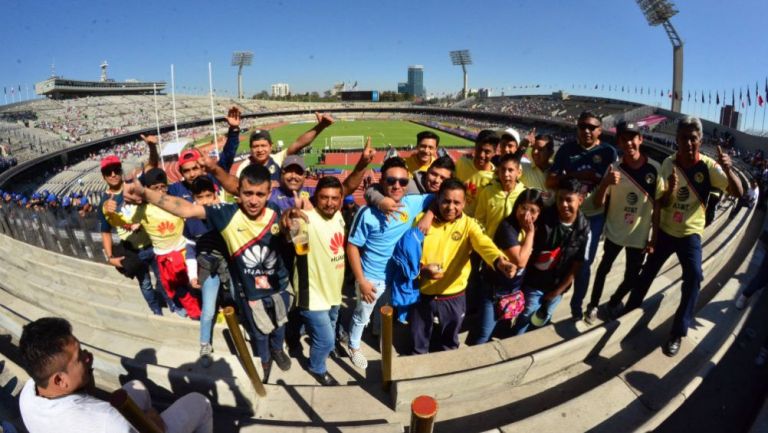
[(426, 152), (445, 269), (690, 176), (496, 200), (536, 169), (477, 172)]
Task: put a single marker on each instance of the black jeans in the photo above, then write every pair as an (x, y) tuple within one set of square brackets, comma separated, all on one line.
[(634, 262)]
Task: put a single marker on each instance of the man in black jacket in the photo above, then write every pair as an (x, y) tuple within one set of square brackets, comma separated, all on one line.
[(558, 253)]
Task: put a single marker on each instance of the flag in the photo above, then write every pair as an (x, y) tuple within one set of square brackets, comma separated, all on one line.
[(717, 97), (749, 100), (766, 88), (702, 96), (710, 98), (689, 96), (733, 97), (760, 100)]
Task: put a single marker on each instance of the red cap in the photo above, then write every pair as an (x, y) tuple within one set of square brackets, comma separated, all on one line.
[(110, 160), (190, 155)]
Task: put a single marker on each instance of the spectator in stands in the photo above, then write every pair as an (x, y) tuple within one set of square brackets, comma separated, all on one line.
[(250, 229), (134, 257), (536, 169), (558, 252), (477, 172), (633, 187), (445, 269), (318, 275), (587, 160), (189, 160), (427, 182), (503, 298), (427, 143), (261, 147), (372, 239), (58, 396), (166, 230), (690, 177), (495, 201), (212, 263)]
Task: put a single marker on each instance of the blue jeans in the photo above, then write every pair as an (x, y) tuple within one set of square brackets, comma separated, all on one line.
[(153, 297), (688, 251), (210, 292), (532, 304), (362, 314), (581, 282), (487, 322), (264, 344), (760, 280), (321, 326)]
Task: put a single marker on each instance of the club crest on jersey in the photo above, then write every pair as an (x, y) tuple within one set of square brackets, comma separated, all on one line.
[(274, 229), (597, 159), (650, 178), (272, 168), (304, 194), (455, 236), (404, 216), (698, 177), (683, 194), (632, 198)]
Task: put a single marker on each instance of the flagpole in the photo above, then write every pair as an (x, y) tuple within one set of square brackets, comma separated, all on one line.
[(5, 95), (173, 102), (157, 123), (754, 115), (765, 105), (213, 115)]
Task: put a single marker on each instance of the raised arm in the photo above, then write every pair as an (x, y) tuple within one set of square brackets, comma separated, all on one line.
[(154, 157), (612, 177), (353, 181), (227, 154), (734, 184), (228, 181), (305, 139), (175, 205)]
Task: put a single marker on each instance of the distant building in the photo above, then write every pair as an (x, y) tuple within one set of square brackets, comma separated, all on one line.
[(730, 117), (280, 90), (416, 81), (402, 88), (62, 88), (484, 93)]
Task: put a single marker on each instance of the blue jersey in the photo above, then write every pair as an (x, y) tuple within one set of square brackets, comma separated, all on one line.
[(573, 157), (376, 237), (284, 199)]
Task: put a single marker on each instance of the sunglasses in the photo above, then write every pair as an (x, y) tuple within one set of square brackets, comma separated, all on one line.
[(403, 181), (109, 171), (589, 126)]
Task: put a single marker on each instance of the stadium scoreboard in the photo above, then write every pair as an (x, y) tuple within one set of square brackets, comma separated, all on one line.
[(361, 95)]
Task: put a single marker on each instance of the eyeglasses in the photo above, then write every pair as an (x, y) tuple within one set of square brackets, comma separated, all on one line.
[(109, 171), (403, 181), (589, 126)]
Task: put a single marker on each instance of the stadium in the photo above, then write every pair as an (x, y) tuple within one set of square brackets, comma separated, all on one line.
[(604, 376)]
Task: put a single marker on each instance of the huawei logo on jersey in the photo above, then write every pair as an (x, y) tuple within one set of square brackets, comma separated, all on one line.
[(337, 243), (166, 227)]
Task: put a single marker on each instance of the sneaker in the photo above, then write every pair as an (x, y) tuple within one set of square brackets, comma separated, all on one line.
[(324, 379), (615, 311), (591, 315), (741, 301), (358, 358), (762, 357), (672, 346), (282, 360), (267, 368), (205, 355)]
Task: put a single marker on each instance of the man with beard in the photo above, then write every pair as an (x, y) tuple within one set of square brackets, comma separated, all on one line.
[(57, 397)]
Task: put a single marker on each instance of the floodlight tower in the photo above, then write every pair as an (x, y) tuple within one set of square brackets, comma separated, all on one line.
[(240, 59), (659, 12), (463, 58)]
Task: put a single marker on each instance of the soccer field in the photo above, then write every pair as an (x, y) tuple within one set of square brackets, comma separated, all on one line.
[(382, 133)]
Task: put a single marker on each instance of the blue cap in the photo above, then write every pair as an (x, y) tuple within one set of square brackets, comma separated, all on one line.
[(24, 201), (84, 201), (66, 202), (51, 198), (349, 199)]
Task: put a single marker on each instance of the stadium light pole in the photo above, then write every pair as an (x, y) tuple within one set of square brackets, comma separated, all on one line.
[(659, 12), (240, 59), (463, 58)]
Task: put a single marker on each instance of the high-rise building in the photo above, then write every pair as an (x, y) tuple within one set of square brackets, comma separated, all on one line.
[(402, 88), (416, 81), (280, 90)]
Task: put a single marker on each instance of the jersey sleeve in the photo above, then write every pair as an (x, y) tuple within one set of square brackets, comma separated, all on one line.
[(103, 223), (481, 211), (717, 175), (506, 236), (279, 157), (218, 216), (482, 244), (358, 233), (560, 161), (227, 155)]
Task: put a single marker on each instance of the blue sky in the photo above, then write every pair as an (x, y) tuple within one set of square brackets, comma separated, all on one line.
[(312, 44)]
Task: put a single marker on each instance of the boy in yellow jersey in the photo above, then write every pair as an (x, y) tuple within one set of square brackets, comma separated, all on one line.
[(426, 152), (165, 231), (536, 169), (477, 172), (634, 186), (495, 201), (252, 234), (690, 177), (445, 269)]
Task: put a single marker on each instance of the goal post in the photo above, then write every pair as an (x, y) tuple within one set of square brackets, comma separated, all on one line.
[(347, 142)]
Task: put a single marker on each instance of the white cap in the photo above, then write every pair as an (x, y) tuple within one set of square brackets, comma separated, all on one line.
[(510, 132)]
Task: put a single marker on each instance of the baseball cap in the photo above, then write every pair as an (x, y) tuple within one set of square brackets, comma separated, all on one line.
[(66, 202), (349, 199), (510, 132), (110, 160), (294, 160), (189, 155), (260, 134), (624, 126)]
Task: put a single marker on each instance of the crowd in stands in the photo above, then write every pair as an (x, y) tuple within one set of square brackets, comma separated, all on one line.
[(493, 238)]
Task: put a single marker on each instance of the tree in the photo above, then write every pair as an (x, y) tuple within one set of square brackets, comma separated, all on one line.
[(261, 95)]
